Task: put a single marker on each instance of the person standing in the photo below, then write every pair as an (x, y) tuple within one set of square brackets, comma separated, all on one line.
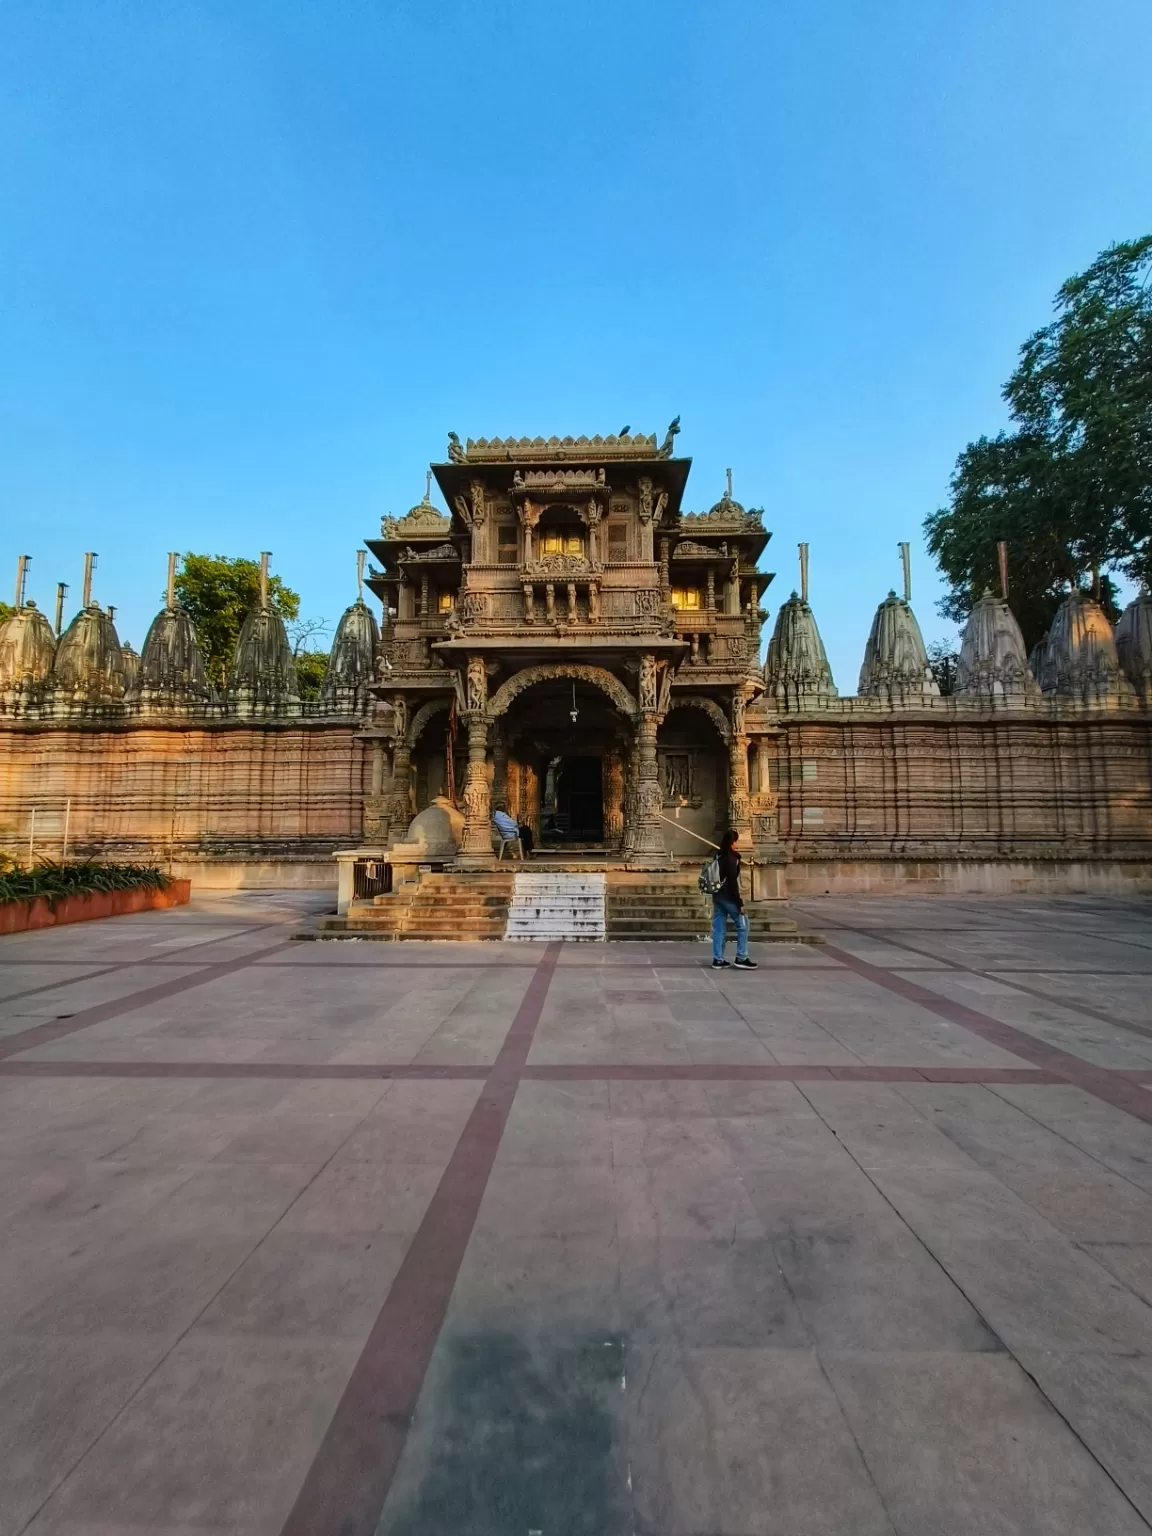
[(727, 903)]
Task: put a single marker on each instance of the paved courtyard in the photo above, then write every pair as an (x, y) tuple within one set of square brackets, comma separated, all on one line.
[(475, 1239)]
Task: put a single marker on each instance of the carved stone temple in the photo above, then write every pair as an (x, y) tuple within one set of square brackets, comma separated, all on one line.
[(560, 633), (572, 643)]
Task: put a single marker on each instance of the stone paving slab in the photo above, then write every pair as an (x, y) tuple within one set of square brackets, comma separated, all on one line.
[(324, 1240)]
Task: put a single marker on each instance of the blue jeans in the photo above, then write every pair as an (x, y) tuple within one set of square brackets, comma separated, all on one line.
[(722, 910)]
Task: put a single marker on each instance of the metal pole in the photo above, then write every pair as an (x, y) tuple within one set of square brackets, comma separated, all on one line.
[(906, 560), (361, 556), (1002, 557), (265, 556), (31, 835), (171, 600), (803, 548), (61, 593), (22, 562), (89, 567), (67, 820)]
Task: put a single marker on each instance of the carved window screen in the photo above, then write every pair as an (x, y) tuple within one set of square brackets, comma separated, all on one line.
[(559, 543), (617, 540), (506, 544), (687, 598)]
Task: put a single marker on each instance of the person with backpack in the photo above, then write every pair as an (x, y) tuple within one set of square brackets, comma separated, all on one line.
[(720, 879)]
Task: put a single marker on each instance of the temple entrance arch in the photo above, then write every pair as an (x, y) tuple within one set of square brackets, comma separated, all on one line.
[(563, 746), (692, 756)]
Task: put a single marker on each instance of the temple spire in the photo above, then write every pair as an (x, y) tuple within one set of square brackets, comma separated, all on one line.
[(89, 567), (906, 561), (728, 492), (428, 486), (803, 548)]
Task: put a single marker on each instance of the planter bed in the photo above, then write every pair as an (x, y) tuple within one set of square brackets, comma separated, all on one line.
[(19, 916)]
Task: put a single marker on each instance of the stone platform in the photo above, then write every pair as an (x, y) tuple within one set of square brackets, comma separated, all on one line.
[(337, 1240), (645, 906)]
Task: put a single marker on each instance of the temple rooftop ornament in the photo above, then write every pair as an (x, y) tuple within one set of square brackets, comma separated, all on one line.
[(352, 660), (1134, 645), (1079, 659), (796, 670), (993, 664), (423, 521), (262, 681), (895, 660), (172, 677), (623, 445), (88, 671), (27, 648), (725, 516)]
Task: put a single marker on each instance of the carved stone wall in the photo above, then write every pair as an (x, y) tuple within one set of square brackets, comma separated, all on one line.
[(228, 804), (965, 788)]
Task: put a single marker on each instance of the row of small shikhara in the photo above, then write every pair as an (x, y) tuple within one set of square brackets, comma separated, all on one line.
[(53, 881)]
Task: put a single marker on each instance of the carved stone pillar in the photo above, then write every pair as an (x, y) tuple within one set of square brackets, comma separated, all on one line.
[(665, 570), (710, 592), (550, 601), (499, 766), (529, 602), (424, 595), (396, 803), (530, 797), (645, 838), (476, 851), (739, 798), (377, 767), (614, 797)]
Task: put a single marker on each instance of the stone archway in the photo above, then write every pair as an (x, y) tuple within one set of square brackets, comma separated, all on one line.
[(422, 716), (708, 707), (595, 677)]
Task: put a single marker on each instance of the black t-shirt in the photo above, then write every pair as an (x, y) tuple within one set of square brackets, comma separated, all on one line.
[(730, 874)]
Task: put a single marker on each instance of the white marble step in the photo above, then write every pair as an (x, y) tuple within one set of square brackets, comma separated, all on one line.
[(556, 906)]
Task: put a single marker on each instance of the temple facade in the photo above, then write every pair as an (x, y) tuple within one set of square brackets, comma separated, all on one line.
[(561, 635), (571, 643)]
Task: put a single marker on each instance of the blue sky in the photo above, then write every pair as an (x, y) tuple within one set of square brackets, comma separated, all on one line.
[(258, 256)]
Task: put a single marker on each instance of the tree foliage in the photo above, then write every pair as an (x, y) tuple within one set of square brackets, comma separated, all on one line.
[(217, 591), (6, 611), (1070, 487), (310, 669)]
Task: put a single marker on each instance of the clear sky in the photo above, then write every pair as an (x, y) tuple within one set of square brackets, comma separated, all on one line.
[(258, 256)]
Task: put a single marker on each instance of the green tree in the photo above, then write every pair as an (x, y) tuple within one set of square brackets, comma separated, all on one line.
[(1070, 487), (217, 591), (6, 611), (310, 669)]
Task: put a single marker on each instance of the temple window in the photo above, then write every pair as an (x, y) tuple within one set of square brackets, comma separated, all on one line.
[(558, 542), (506, 544), (617, 541), (687, 598), (445, 602)]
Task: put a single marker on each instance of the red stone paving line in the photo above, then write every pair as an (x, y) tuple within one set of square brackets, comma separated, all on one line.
[(1021, 986), (346, 1487), (702, 1072), (1111, 1087), (56, 1029), (120, 965), (266, 1070)]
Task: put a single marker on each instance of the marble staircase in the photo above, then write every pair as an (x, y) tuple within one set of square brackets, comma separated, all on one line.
[(670, 906), (556, 905)]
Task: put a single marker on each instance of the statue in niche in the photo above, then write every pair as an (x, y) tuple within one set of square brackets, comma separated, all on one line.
[(477, 683), (648, 683), (678, 777)]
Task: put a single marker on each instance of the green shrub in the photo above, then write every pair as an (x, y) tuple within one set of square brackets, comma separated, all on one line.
[(80, 877)]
